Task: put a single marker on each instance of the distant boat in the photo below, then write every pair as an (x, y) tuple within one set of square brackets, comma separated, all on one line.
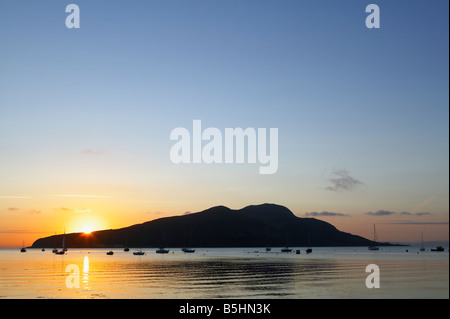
[(64, 249), (309, 250), (110, 252), (162, 251), (422, 248), (438, 248), (138, 253), (64, 241), (54, 250), (268, 249), (375, 239), (23, 250), (286, 249), (126, 249), (188, 249), (43, 249)]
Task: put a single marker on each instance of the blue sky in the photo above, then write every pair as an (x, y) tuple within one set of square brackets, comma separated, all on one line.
[(91, 109)]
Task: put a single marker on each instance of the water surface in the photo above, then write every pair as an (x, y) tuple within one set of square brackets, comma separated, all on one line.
[(224, 273)]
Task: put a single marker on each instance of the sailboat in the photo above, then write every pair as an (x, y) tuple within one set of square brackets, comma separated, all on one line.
[(309, 250), (188, 249), (375, 239), (138, 253), (286, 249), (64, 249), (23, 250), (422, 248), (162, 251)]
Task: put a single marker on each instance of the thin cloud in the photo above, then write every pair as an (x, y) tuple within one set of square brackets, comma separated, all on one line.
[(416, 214), (92, 152), (423, 214), (388, 213), (75, 210), (343, 181), (13, 209), (14, 197), (86, 196), (380, 213), (315, 214), (19, 231), (418, 223)]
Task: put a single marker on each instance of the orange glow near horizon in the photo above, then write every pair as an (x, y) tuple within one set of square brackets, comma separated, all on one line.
[(27, 223)]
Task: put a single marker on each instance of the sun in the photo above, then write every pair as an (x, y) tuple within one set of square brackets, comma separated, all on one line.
[(87, 230), (87, 224)]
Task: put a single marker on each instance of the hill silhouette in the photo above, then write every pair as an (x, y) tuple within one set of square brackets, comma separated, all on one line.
[(253, 226)]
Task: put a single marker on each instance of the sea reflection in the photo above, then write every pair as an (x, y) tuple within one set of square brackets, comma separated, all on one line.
[(85, 279), (221, 274), (233, 278)]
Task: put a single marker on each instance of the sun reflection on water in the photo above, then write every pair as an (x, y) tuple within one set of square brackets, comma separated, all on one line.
[(85, 279)]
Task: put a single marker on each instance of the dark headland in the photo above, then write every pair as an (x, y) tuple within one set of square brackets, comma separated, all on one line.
[(253, 226)]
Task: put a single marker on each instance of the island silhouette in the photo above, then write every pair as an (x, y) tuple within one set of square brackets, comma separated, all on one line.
[(266, 225)]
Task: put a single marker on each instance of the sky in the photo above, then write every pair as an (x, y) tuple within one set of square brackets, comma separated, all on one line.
[(86, 113)]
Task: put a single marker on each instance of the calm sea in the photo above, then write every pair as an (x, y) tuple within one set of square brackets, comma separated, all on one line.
[(223, 273)]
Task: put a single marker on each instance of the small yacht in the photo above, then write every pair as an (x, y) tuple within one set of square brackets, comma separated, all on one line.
[(422, 248), (438, 248), (110, 252), (23, 250), (375, 239), (138, 253), (162, 251), (187, 250), (286, 250)]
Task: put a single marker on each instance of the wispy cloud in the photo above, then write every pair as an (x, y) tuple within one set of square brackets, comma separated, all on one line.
[(86, 196), (343, 181), (92, 152), (315, 214), (19, 231), (75, 210), (380, 213), (14, 197), (13, 209), (388, 213), (416, 214), (417, 223)]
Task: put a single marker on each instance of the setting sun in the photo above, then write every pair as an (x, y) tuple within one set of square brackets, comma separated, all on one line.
[(87, 230), (87, 223)]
